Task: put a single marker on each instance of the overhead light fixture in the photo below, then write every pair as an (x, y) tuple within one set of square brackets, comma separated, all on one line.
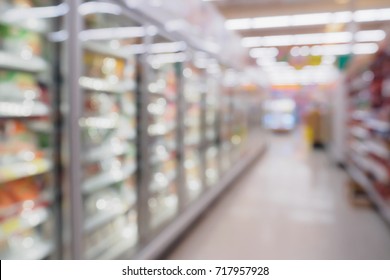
[(313, 39), (308, 19), (264, 52), (267, 22)]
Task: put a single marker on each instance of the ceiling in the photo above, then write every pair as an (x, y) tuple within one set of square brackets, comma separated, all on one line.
[(253, 10)]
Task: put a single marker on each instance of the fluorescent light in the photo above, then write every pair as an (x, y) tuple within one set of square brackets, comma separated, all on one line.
[(370, 35), (311, 19), (308, 19), (278, 40), (365, 48), (238, 24), (267, 22), (342, 17), (249, 42), (264, 52), (314, 39)]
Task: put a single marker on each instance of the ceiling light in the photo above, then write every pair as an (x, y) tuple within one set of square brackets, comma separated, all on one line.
[(314, 38), (264, 52), (267, 22), (309, 19), (370, 35), (237, 24), (365, 48)]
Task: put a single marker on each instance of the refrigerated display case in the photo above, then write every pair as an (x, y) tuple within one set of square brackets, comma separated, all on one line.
[(28, 178), (161, 180), (226, 116), (193, 95), (211, 138), (109, 134)]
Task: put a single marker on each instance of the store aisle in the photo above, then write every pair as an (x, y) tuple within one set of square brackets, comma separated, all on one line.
[(293, 204)]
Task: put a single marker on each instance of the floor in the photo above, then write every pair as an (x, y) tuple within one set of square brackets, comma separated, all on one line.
[(293, 204)]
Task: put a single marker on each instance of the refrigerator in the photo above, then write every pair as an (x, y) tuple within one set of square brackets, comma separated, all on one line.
[(29, 132), (108, 131), (193, 136), (160, 172)]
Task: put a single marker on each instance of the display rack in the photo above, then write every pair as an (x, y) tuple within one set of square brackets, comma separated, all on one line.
[(117, 151), (28, 146), (369, 130)]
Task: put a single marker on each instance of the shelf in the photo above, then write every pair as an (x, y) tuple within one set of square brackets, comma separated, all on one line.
[(359, 132), (104, 218), (96, 84), (106, 50), (27, 220), (159, 129), (24, 169), (99, 122), (106, 151), (20, 110), (378, 149), (106, 179), (39, 251), (378, 125), (364, 182), (11, 61)]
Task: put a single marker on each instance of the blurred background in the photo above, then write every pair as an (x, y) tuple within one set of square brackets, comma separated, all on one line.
[(225, 129)]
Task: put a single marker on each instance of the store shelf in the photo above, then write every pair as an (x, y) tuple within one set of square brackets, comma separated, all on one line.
[(15, 62), (365, 183), (104, 218), (26, 220), (107, 151), (107, 179), (100, 122), (24, 169), (106, 50), (40, 250), (378, 125), (359, 132), (161, 129), (23, 110), (96, 84)]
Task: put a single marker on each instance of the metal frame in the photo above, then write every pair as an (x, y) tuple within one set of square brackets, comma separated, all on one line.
[(74, 55)]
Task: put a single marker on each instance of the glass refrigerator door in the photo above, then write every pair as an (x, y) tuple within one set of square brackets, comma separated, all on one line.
[(108, 138), (211, 131), (162, 133), (193, 92), (27, 180), (225, 125)]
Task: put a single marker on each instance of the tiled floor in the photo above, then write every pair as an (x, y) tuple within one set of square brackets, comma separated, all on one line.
[(292, 204)]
